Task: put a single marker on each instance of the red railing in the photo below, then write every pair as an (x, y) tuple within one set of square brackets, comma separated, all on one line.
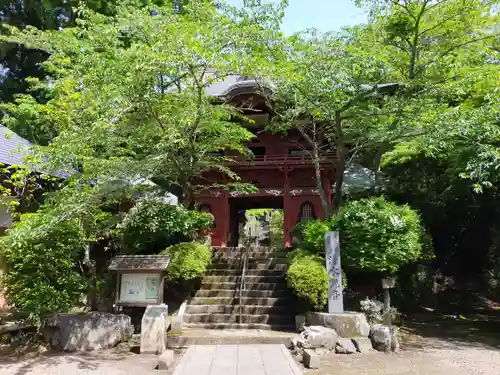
[(325, 158)]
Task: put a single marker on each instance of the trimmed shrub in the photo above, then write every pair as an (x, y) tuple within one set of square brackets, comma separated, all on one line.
[(378, 236), (295, 256), (302, 253), (308, 278), (188, 261)]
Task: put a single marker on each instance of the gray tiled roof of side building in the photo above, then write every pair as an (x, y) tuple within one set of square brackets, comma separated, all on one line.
[(12, 147)]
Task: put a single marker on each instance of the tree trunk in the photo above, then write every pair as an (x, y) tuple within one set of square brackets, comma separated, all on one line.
[(342, 152), (319, 181), (387, 307), (187, 199)]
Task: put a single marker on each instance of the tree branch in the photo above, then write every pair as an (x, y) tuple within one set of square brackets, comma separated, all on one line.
[(448, 51)]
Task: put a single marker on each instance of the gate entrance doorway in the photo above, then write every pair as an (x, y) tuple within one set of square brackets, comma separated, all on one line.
[(256, 221)]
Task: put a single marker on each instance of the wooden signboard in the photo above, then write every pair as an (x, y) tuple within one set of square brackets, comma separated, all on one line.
[(139, 279)]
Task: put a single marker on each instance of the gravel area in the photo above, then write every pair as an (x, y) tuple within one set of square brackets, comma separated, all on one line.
[(425, 356), (435, 357), (103, 363)]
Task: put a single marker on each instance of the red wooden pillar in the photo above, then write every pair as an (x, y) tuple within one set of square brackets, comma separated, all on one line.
[(225, 219), (287, 210)]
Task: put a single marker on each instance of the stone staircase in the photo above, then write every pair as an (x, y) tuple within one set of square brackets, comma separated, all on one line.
[(262, 303)]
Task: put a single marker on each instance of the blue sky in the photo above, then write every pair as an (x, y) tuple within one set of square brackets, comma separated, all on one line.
[(326, 15)]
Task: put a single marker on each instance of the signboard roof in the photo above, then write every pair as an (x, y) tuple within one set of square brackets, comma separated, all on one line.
[(139, 262)]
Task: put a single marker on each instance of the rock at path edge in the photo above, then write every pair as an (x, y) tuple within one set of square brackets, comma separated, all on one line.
[(310, 359), (384, 338), (345, 346), (166, 360), (315, 337), (88, 331)]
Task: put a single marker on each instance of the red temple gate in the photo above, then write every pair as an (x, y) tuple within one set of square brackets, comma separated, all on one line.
[(281, 169)]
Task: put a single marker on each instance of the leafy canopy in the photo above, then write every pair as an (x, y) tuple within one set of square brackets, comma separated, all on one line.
[(129, 94)]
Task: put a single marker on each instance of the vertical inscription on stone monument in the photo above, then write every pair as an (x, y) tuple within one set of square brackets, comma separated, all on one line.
[(335, 292)]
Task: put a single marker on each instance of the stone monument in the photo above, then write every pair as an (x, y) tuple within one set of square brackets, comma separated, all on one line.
[(154, 329), (345, 323), (335, 290)]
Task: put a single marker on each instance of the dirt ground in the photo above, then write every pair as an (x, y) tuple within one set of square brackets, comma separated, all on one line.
[(449, 346), (429, 347), (440, 358)]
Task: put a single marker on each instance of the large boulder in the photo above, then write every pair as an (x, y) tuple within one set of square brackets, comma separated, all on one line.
[(384, 338), (88, 331), (347, 324), (314, 337)]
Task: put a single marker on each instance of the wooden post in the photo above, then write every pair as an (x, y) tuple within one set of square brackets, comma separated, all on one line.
[(160, 288), (387, 307), (387, 284), (117, 290)]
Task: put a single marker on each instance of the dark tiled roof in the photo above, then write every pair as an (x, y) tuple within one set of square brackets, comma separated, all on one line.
[(12, 147), (139, 262)]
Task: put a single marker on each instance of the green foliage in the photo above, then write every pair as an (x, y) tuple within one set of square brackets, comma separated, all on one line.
[(302, 253), (313, 236), (136, 96), (377, 235), (151, 222), (188, 261), (308, 278), (41, 253)]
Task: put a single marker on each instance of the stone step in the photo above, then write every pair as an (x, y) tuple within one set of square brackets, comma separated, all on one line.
[(249, 279), (252, 254), (244, 301), (241, 326), (250, 248), (250, 266), (279, 285), (235, 309), (192, 336), (226, 272), (237, 318), (270, 261), (236, 293)]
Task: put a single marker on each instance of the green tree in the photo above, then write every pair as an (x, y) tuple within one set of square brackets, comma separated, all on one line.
[(19, 63), (135, 98), (373, 92), (445, 55), (133, 114)]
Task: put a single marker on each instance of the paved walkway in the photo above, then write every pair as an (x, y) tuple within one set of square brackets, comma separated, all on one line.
[(237, 360)]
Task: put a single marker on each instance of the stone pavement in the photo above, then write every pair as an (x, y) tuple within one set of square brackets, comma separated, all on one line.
[(237, 360)]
